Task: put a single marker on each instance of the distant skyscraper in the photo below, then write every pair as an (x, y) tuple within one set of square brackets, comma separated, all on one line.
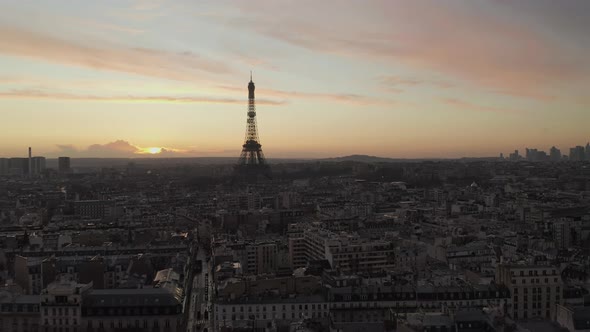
[(554, 154), (4, 166), (18, 166), (588, 151), (532, 154), (63, 165), (37, 166), (577, 154), (535, 155), (514, 156)]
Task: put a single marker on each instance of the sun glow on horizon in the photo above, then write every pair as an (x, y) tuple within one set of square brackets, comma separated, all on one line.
[(153, 150)]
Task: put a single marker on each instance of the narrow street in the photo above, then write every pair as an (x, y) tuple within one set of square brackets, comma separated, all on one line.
[(199, 310)]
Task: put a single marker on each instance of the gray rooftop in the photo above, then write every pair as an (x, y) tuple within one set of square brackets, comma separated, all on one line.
[(144, 297)]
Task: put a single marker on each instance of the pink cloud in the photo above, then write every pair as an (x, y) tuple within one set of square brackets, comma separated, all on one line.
[(397, 84), (465, 105), (39, 94), (104, 56), (345, 98), (464, 41)]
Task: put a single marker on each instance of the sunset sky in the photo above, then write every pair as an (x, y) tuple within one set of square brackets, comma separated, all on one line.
[(404, 79)]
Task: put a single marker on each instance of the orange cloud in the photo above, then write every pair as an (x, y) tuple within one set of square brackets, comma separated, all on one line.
[(121, 149)]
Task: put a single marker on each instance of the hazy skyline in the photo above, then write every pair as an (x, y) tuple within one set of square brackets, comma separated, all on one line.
[(405, 79)]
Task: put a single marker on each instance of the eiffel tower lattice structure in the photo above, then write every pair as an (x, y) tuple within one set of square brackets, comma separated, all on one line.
[(252, 163)]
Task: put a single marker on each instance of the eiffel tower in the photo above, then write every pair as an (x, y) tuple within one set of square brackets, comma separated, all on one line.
[(252, 163)]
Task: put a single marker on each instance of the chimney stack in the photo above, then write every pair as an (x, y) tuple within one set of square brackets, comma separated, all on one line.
[(30, 164)]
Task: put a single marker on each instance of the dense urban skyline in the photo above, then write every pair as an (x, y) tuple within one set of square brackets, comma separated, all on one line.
[(420, 79)]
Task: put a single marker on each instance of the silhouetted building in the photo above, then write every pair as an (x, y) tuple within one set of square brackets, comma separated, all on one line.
[(554, 154), (514, 156), (4, 166), (578, 153), (63, 165), (535, 155), (37, 165), (18, 166)]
